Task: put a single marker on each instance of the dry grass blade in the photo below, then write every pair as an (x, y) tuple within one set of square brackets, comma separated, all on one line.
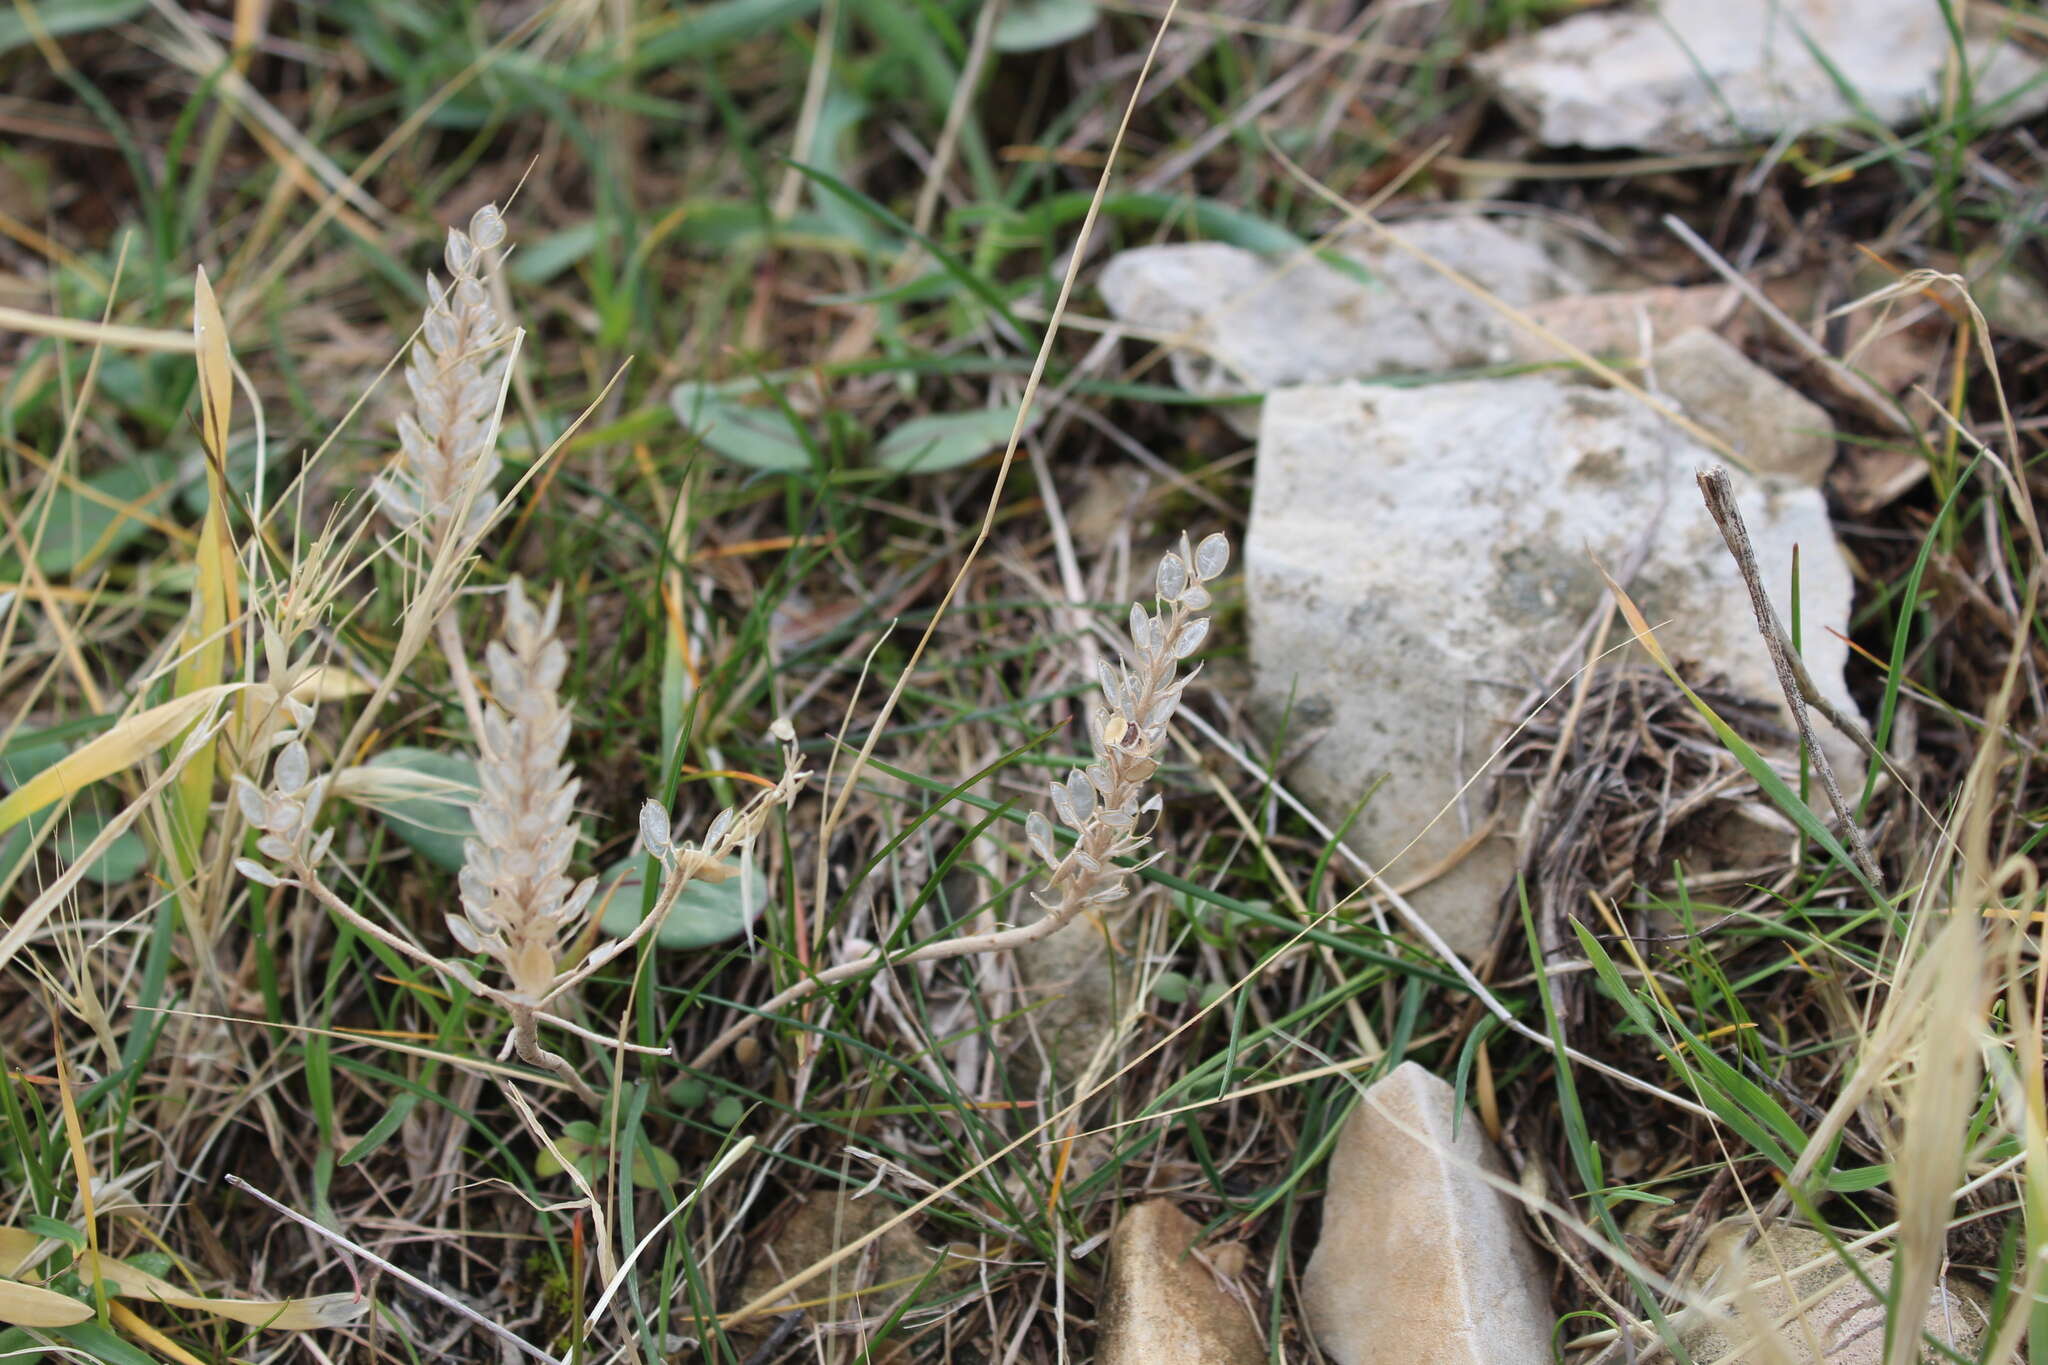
[(25, 1305), (119, 749)]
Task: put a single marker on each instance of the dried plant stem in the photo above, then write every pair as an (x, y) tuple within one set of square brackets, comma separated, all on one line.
[(995, 941), (526, 1042), (450, 638), (1793, 679)]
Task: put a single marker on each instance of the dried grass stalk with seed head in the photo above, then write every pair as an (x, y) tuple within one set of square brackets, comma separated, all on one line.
[(519, 903), (446, 444), (1104, 802)]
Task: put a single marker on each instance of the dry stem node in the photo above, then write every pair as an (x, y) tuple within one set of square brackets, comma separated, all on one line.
[(447, 444)]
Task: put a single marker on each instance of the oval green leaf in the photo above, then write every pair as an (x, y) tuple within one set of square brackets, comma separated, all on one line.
[(705, 913), (76, 826), (759, 437), (1031, 25), (434, 824), (945, 440)]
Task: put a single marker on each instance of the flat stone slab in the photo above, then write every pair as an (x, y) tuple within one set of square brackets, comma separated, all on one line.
[(1418, 558), (1242, 324), (1420, 1258), (1691, 73)]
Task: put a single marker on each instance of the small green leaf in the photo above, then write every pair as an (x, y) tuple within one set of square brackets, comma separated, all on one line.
[(435, 825), (704, 913), (123, 858), (688, 1093), (538, 262), (1031, 25), (1854, 1179), (760, 437), (728, 1112), (54, 1230), (380, 1132), (663, 1170), (1171, 987), (945, 440)]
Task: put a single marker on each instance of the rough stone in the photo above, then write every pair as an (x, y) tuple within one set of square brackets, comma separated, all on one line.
[(1840, 1323), (1162, 1303), (1418, 558), (1619, 323), (1076, 992), (1244, 324), (823, 1222), (1778, 431), (1419, 1257), (1691, 73)]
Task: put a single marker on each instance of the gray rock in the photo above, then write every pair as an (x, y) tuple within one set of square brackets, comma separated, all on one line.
[(1160, 1303), (1241, 324), (1418, 558), (1420, 1259), (1779, 431), (1691, 73), (1817, 1316)]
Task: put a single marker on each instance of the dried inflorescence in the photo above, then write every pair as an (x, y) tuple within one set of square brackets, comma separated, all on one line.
[(447, 444), (1104, 802), (286, 811), (519, 903)]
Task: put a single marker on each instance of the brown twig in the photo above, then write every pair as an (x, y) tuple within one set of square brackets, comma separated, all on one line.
[(1793, 679)]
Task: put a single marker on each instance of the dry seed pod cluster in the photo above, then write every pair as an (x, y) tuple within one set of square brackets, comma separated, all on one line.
[(519, 903), (1103, 802), (285, 812), (447, 443)]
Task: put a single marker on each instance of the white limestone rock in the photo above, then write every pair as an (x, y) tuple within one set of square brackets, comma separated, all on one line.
[(1418, 558), (1161, 1302), (1420, 1258), (1243, 324), (1690, 73), (1817, 1316)]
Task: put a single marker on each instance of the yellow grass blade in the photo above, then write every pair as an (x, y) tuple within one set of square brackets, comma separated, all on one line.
[(286, 1315), (81, 1161), (16, 1246), (216, 367), (119, 749), (24, 1305), (214, 594), (130, 1322)]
